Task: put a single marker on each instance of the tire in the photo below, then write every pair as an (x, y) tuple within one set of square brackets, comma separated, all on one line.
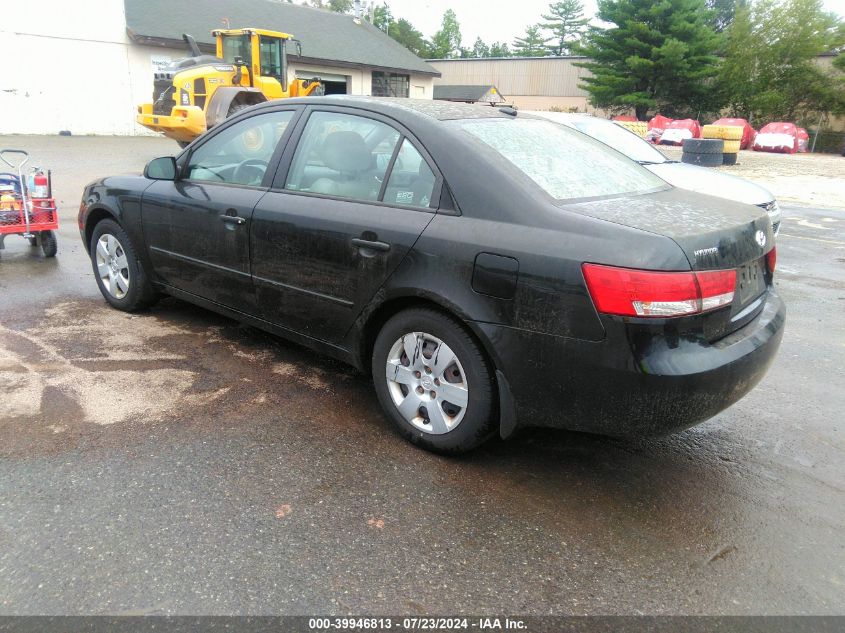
[(733, 133), (460, 428), (33, 241), (704, 160), (49, 244), (732, 147), (712, 131), (703, 146), (237, 107), (137, 291), (729, 159)]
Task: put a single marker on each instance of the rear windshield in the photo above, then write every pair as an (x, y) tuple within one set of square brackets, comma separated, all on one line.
[(620, 139), (565, 163)]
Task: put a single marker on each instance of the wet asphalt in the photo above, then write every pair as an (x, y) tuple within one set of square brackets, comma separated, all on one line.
[(174, 461)]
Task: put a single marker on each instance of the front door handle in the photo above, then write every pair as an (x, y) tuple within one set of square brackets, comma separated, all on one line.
[(373, 246), (233, 219)]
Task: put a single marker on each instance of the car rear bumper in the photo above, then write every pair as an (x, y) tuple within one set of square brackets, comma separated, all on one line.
[(633, 382)]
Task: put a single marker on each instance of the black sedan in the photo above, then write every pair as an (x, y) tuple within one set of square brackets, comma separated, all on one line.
[(489, 268)]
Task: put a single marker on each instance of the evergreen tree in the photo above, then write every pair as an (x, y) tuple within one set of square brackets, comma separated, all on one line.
[(654, 55), (500, 49), (532, 44), (566, 22)]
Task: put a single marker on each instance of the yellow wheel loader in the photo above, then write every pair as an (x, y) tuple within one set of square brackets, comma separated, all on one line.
[(194, 94)]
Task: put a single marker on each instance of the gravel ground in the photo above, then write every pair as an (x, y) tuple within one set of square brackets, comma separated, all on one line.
[(810, 179)]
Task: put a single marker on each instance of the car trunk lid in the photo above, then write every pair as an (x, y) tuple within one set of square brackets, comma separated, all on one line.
[(713, 233)]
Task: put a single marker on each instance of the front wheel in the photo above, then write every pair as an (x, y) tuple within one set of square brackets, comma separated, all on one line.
[(120, 276), (434, 382)]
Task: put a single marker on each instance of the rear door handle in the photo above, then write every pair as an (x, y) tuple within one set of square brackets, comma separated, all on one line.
[(373, 246), (233, 219)]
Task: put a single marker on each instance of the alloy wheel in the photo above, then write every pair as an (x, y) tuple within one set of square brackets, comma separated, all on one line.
[(112, 265)]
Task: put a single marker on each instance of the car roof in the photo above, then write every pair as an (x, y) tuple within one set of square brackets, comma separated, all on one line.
[(429, 108)]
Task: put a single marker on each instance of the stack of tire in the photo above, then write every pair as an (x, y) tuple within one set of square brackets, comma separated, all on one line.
[(640, 128), (706, 152), (732, 137)]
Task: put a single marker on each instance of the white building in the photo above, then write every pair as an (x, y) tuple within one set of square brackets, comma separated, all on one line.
[(84, 66)]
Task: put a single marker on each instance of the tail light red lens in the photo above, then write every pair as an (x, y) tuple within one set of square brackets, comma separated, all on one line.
[(649, 293), (771, 259)]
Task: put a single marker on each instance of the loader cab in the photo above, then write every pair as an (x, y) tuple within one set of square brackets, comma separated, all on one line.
[(264, 55)]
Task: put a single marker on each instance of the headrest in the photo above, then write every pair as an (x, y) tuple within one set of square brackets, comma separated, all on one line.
[(345, 152)]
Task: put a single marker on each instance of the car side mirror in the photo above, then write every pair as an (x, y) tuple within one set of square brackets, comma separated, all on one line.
[(163, 168)]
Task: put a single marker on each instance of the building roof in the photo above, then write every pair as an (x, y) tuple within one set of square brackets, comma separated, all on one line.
[(453, 92), (512, 58), (326, 36)]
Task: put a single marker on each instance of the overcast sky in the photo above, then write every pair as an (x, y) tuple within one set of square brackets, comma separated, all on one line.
[(494, 20)]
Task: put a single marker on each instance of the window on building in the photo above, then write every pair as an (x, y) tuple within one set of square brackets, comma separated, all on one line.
[(390, 84)]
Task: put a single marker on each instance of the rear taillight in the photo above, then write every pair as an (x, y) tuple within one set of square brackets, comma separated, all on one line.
[(771, 260), (649, 293)]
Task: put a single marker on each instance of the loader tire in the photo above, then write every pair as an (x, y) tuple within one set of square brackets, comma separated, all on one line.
[(237, 107)]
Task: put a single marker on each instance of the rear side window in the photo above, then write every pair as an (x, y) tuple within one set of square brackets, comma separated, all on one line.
[(411, 181), (563, 162), (342, 155)]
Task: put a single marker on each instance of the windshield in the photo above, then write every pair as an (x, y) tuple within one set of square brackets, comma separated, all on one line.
[(565, 163), (236, 46), (620, 139)]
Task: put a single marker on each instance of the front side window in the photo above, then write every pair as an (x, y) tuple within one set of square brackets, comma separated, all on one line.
[(390, 84), (236, 46), (563, 162), (240, 154), (342, 155)]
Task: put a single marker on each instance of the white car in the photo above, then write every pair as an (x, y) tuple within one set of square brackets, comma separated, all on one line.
[(677, 174)]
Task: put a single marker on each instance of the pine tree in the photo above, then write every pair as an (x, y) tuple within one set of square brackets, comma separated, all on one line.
[(500, 49), (566, 22), (532, 44), (654, 55)]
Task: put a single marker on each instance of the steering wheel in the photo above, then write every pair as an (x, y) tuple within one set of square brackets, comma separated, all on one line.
[(241, 172)]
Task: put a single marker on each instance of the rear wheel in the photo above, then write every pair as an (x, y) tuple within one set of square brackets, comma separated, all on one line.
[(49, 244), (120, 276), (434, 382)]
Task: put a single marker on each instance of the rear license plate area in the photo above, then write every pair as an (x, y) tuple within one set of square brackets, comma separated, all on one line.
[(751, 281)]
